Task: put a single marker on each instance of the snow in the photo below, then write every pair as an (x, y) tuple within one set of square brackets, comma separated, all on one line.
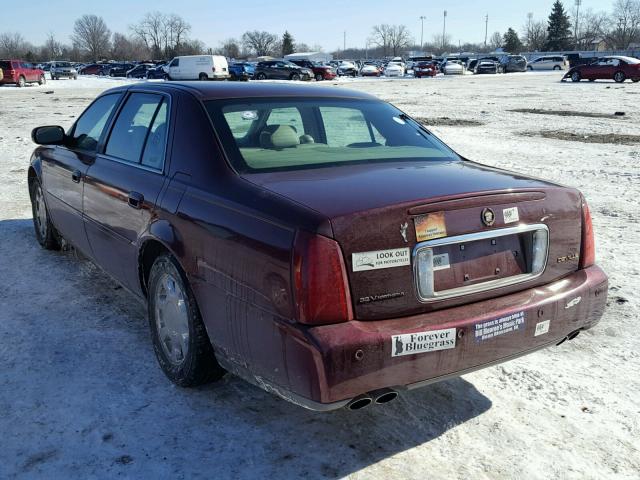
[(81, 394)]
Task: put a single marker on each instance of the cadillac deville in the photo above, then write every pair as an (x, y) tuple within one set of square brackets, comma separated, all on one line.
[(317, 242)]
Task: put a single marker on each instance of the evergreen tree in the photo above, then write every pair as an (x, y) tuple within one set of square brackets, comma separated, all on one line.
[(287, 44), (510, 41), (559, 29)]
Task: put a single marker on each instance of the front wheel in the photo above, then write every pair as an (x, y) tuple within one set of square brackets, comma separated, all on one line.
[(46, 233), (575, 77), (319, 77), (180, 340), (294, 76), (42, 80), (619, 77), (261, 76)]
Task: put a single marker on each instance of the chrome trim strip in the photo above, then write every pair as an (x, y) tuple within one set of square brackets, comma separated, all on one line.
[(472, 237)]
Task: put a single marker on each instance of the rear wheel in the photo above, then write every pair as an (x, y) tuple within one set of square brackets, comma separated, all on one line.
[(556, 67), (294, 76), (202, 77), (635, 80), (261, 76), (46, 233), (21, 81), (619, 77), (42, 80), (575, 77), (180, 340)]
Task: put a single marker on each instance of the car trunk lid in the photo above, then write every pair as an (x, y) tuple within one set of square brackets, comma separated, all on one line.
[(479, 225)]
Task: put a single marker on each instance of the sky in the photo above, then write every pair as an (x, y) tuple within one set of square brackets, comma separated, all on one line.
[(314, 23)]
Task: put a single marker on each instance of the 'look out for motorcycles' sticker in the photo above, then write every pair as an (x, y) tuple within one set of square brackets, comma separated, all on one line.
[(375, 260), (423, 342)]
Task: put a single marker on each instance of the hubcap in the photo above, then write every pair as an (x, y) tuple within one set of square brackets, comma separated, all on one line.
[(41, 213), (172, 319)]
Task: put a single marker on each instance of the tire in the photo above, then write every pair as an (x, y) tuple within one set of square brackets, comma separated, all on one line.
[(319, 77), (21, 81), (261, 76), (170, 299), (203, 77), (101, 73), (576, 77), (592, 79), (619, 77), (557, 67), (42, 80), (75, 77), (635, 80), (46, 233), (166, 77), (294, 76)]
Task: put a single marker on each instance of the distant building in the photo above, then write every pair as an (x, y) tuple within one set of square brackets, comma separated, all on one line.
[(312, 56), (598, 45)]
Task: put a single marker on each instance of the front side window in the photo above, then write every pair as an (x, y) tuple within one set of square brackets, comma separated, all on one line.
[(89, 127), (175, 62), (298, 133), (131, 129)]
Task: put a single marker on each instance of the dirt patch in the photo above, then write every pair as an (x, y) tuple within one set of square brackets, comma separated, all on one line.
[(568, 113), (448, 122), (614, 138)]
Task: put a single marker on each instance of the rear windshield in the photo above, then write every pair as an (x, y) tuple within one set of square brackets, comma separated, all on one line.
[(62, 64), (294, 133), (5, 65)]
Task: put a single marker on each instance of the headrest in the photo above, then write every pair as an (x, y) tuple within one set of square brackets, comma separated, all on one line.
[(279, 136), (306, 139)]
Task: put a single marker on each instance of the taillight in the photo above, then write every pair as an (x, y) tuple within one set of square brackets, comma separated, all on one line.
[(587, 245), (320, 281)]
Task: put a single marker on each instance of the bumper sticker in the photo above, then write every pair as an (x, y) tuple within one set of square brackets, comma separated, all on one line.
[(499, 326), (430, 226), (510, 215), (542, 328), (375, 260), (423, 342)]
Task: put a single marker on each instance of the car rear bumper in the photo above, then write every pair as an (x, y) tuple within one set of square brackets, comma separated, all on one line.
[(330, 365)]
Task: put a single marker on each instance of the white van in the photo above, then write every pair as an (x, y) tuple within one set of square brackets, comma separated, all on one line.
[(555, 62), (198, 67)]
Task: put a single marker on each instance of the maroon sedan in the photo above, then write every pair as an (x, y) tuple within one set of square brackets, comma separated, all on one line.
[(614, 68), (318, 242), (425, 69)]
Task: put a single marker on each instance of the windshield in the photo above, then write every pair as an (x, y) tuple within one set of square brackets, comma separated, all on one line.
[(62, 64), (298, 133)]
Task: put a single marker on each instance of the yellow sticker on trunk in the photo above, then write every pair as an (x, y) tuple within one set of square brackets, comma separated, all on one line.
[(430, 226)]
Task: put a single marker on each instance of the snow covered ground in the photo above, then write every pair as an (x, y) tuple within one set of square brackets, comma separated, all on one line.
[(81, 395)]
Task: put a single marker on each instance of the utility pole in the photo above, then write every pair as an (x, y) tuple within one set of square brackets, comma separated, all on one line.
[(578, 3), (422, 17), (444, 28), (486, 29), (344, 41)]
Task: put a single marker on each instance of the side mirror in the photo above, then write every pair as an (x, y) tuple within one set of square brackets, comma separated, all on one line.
[(49, 135)]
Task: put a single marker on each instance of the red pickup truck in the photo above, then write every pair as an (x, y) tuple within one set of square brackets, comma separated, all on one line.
[(20, 73)]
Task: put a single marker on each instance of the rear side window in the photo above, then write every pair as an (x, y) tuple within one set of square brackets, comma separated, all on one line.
[(5, 65), (131, 129), (153, 156), (89, 127)]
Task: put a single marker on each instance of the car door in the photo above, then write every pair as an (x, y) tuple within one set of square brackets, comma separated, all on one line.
[(64, 168), (174, 69), (123, 184)]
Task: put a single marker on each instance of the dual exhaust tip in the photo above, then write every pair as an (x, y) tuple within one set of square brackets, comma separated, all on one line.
[(379, 397)]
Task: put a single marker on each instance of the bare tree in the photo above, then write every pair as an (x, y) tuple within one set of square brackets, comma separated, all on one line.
[(52, 49), (440, 44), (534, 34), (90, 33), (399, 39), (381, 36), (151, 30), (591, 28), (495, 41), (176, 32), (13, 45), (260, 43), (624, 24)]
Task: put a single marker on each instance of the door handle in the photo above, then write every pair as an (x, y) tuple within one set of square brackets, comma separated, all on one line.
[(136, 199), (76, 176)]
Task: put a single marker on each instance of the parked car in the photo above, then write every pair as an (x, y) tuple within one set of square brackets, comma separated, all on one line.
[(281, 70), (95, 69), (513, 63), (424, 69), (1, 75), (120, 69), (486, 65), (453, 67), (140, 70), (616, 68), (242, 70), (320, 71), (347, 68), (198, 67), (20, 73), (250, 236), (394, 69), (370, 69), (60, 70), (554, 62), (156, 72)]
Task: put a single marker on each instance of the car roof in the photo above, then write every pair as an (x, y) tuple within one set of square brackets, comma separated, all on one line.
[(223, 90)]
